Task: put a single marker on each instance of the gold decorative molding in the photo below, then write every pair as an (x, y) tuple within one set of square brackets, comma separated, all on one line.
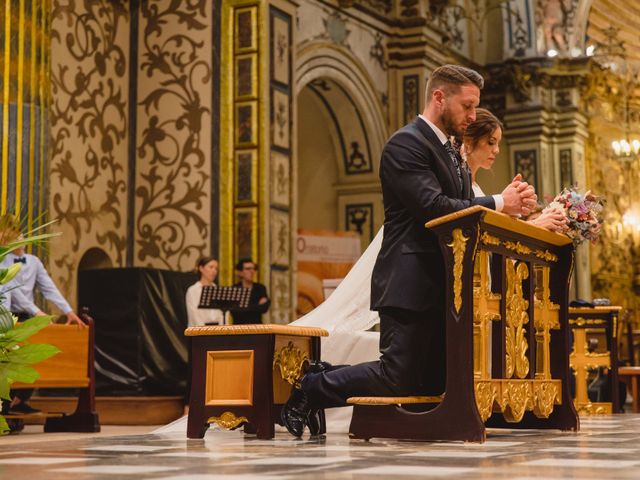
[(518, 248), (486, 309), (581, 322), (228, 421), (603, 408), (545, 396), (546, 255), (516, 317), (264, 329), (291, 361), (488, 239), (458, 245), (514, 397), (546, 317), (486, 393), (394, 400)]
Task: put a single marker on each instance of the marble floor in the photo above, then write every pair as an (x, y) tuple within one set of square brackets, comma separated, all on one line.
[(605, 448)]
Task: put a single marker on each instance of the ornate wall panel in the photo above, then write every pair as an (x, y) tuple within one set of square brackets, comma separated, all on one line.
[(89, 129), (24, 88), (241, 113), (281, 236), (173, 168)]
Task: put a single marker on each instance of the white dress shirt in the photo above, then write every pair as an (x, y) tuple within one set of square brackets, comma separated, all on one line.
[(32, 275), (200, 316), (443, 138)]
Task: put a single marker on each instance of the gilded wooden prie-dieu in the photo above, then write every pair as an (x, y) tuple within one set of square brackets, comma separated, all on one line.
[(241, 375), (507, 335)]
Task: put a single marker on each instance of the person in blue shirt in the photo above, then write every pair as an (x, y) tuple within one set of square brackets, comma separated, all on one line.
[(33, 275), (19, 300)]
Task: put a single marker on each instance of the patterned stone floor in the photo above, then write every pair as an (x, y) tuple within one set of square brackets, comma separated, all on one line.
[(607, 447)]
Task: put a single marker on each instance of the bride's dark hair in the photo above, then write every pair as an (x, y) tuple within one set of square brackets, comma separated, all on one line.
[(483, 126)]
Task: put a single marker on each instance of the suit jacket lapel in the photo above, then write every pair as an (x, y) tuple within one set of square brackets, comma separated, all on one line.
[(432, 138)]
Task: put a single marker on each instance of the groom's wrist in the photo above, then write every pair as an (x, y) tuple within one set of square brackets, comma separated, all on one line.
[(499, 202)]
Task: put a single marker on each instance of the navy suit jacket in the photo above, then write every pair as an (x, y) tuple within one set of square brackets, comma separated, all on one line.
[(419, 183)]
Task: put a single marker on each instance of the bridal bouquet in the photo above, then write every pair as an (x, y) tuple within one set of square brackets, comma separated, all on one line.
[(584, 214)]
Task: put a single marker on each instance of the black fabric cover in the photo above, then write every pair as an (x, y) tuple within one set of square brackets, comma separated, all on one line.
[(140, 317)]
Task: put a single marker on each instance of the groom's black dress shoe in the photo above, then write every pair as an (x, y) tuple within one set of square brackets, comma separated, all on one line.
[(295, 412)]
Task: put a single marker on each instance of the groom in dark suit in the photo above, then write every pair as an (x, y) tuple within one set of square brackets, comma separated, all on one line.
[(422, 178)]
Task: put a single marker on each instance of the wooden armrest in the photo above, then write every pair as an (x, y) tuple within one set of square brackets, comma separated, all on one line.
[(393, 400)]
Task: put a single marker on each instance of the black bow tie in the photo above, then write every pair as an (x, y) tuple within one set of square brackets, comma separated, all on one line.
[(20, 260)]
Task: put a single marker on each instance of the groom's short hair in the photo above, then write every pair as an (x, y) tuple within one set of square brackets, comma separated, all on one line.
[(450, 78)]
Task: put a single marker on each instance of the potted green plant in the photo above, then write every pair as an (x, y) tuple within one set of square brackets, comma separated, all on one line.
[(17, 355)]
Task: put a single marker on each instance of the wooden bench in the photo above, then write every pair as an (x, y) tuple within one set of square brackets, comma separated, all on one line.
[(73, 367), (243, 374), (629, 375)]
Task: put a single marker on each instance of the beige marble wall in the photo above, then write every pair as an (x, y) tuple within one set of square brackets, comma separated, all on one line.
[(173, 138), (89, 127)]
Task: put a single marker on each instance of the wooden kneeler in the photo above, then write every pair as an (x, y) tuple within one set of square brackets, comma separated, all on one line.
[(507, 342)]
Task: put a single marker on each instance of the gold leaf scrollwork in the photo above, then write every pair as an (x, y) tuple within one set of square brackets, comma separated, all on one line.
[(487, 239), (458, 245), (516, 317), (545, 396), (291, 361), (518, 248), (517, 400), (546, 255), (485, 395), (228, 421)]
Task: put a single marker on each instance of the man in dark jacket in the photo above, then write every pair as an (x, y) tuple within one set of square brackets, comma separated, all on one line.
[(422, 178), (258, 299)]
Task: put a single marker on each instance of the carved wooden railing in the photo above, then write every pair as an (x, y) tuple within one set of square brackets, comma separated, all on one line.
[(507, 333)]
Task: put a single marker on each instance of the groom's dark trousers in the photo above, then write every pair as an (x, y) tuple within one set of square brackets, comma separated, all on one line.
[(412, 362)]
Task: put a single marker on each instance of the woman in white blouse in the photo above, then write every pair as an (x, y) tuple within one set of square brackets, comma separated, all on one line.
[(208, 269)]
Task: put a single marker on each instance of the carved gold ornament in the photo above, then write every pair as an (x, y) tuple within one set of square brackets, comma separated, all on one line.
[(228, 421), (291, 361), (545, 396), (486, 309), (516, 317), (458, 245), (488, 239), (485, 396), (546, 316), (517, 399)]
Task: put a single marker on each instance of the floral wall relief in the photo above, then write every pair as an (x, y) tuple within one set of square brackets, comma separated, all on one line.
[(89, 88), (174, 140)]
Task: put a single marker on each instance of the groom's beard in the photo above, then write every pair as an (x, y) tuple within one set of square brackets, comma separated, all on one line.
[(450, 128)]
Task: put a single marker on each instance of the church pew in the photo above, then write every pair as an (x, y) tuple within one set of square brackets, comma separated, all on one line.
[(507, 336), (74, 368)]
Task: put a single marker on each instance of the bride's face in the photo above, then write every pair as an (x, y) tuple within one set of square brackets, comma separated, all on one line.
[(484, 153)]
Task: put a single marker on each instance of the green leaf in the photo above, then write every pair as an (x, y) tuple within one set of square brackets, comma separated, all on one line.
[(4, 426), (5, 249), (11, 272), (27, 354), (19, 373), (24, 330), (4, 387)]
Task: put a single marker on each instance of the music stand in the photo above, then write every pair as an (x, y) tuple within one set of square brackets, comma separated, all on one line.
[(224, 298)]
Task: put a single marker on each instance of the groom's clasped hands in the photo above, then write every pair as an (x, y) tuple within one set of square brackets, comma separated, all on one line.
[(519, 198)]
